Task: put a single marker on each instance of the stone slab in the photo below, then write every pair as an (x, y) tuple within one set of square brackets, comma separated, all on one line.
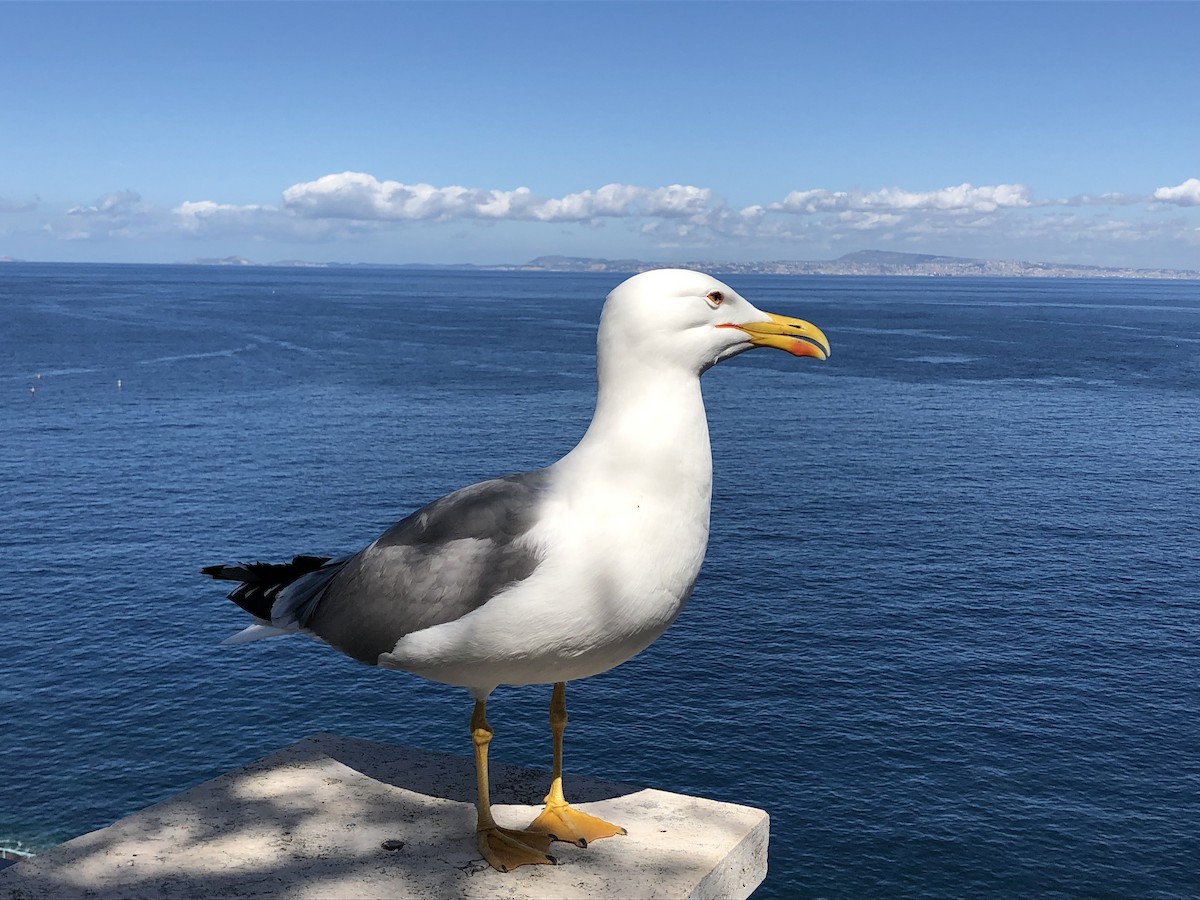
[(308, 821)]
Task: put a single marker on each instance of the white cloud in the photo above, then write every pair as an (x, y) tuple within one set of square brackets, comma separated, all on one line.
[(1186, 194), (197, 216), (359, 209), (1101, 228), (869, 221), (362, 197), (115, 205), (119, 214), (963, 198), (355, 195), (345, 203), (1109, 199)]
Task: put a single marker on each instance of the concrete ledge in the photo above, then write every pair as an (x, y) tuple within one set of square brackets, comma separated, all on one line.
[(308, 821)]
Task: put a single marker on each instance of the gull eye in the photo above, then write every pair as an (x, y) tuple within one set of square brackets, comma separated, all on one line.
[(715, 299)]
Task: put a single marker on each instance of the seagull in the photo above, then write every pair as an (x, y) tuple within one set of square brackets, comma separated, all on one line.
[(547, 576)]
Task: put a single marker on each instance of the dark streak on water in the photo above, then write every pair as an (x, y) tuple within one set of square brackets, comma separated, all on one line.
[(947, 633)]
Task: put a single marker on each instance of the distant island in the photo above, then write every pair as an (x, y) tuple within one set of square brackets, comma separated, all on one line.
[(861, 262)]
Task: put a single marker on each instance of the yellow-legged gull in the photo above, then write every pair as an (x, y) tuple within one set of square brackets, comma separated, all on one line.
[(561, 573)]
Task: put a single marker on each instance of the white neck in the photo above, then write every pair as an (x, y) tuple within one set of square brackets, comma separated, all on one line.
[(649, 430)]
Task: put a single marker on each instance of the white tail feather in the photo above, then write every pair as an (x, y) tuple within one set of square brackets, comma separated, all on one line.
[(258, 632)]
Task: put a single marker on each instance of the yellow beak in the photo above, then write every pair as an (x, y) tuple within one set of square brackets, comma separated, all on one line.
[(796, 336)]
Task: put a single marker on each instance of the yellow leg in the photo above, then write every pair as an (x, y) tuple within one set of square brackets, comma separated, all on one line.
[(559, 819), (503, 848)]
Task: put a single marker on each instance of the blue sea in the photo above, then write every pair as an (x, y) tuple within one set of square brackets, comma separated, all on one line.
[(947, 633)]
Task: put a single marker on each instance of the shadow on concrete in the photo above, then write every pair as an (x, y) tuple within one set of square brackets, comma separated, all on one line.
[(309, 821)]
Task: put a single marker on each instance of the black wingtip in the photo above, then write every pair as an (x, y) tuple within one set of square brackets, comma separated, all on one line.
[(260, 583)]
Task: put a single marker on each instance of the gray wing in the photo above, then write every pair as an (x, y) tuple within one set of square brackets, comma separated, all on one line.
[(435, 566)]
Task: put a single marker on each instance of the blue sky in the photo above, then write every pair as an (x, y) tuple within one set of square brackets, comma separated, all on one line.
[(496, 132)]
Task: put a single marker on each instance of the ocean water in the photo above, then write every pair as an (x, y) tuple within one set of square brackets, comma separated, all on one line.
[(947, 633)]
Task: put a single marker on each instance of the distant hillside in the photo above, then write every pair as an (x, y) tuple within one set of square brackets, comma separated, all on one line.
[(860, 262)]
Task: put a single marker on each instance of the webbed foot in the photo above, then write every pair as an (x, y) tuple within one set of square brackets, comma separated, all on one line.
[(564, 822), (506, 848)]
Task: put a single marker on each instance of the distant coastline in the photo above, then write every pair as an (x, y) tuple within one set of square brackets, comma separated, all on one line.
[(866, 262), (860, 263)]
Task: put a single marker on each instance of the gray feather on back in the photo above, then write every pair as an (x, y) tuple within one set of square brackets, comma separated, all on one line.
[(433, 567)]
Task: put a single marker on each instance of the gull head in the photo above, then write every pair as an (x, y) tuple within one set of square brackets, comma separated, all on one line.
[(679, 318)]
